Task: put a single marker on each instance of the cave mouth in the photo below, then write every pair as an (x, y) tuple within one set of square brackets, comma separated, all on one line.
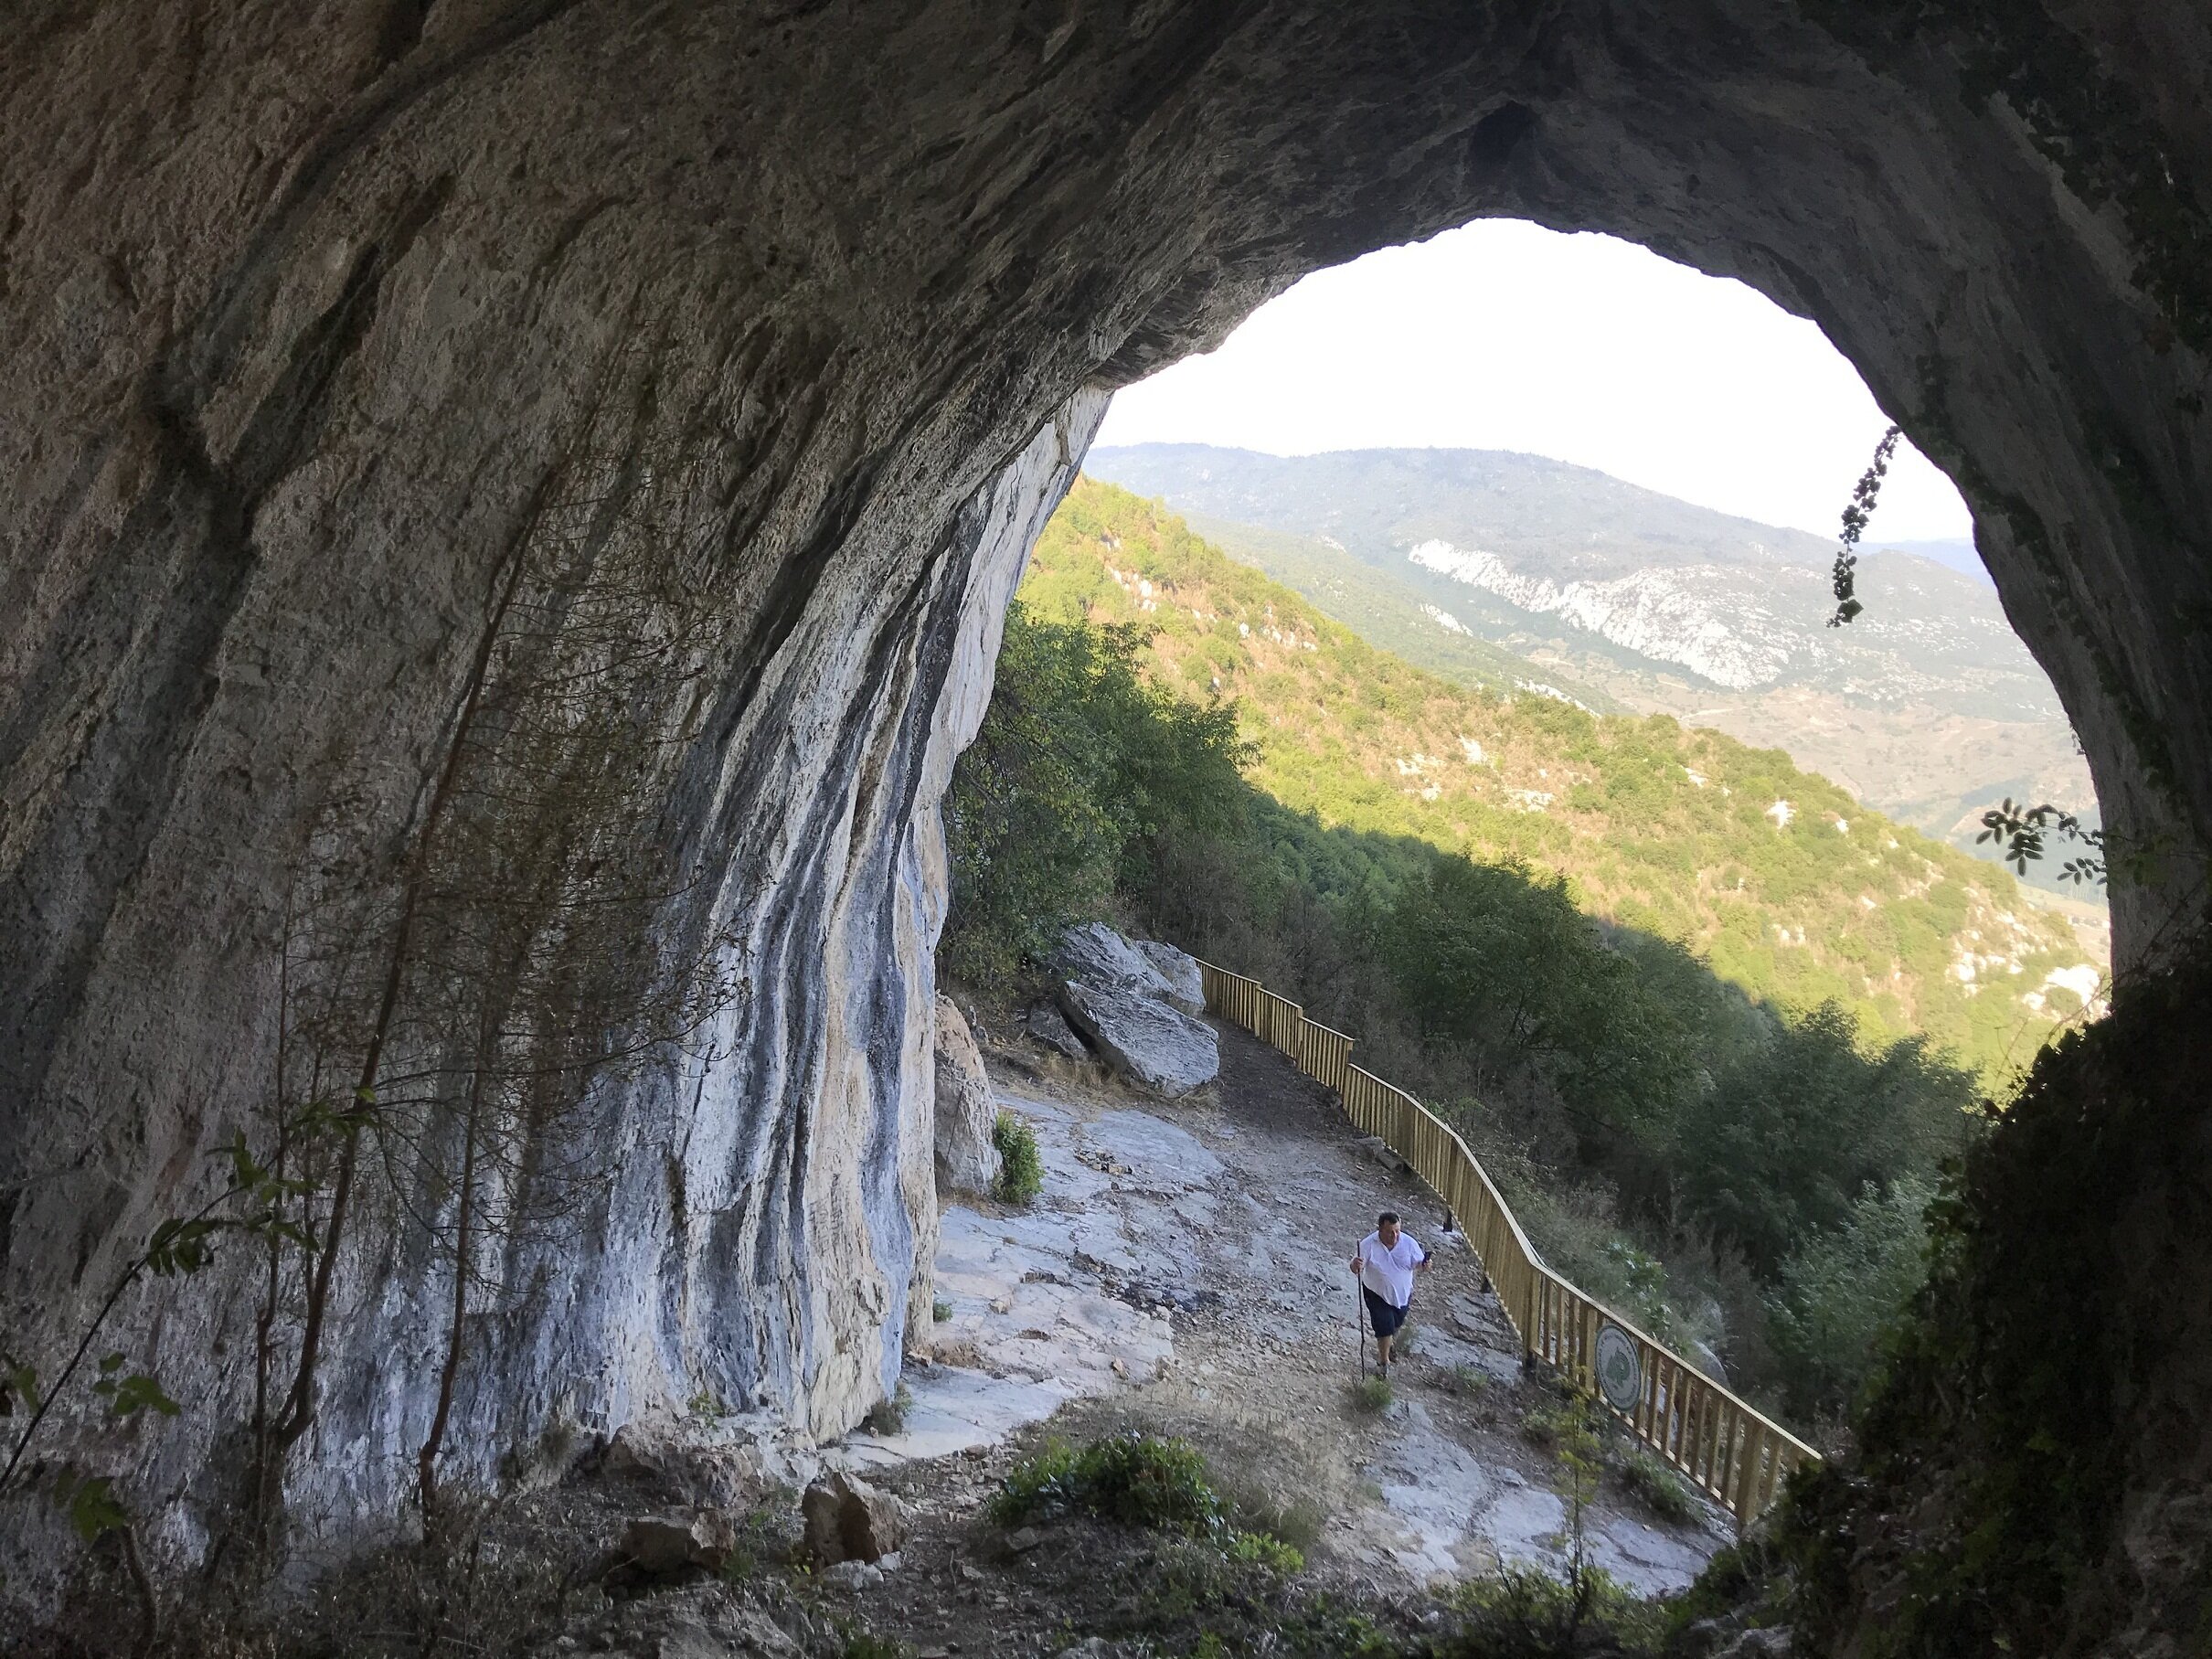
[(1502, 338), (318, 343)]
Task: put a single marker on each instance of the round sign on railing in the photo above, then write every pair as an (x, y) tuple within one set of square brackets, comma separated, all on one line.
[(1620, 1369)]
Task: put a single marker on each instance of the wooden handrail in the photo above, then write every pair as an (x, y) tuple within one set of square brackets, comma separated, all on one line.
[(1731, 1451)]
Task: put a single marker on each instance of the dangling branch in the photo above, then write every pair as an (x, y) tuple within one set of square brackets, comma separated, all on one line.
[(1855, 516)]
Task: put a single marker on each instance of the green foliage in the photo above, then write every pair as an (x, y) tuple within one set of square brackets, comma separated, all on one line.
[(1263, 1550), (1079, 772), (1840, 1291), (1521, 1612), (1796, 1128), (1660, 1488), (90, 1504), (1372, 1396), (889, 1416), (941, 1310), (1128, 1478), (1021, 1170), (126, 1395), (1985, 1509), (1496, 954)]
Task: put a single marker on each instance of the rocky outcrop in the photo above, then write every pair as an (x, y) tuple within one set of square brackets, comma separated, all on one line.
[(1134, 1002), (966, 1109), (559, 467)]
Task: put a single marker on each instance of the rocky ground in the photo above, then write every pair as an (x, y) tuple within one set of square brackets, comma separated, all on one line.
[(1184, 1271)]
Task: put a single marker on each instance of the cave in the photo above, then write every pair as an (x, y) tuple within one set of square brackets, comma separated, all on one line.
[(380, 375)]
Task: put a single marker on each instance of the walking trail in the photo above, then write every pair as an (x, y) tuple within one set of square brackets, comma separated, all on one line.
[(1185, 1271)]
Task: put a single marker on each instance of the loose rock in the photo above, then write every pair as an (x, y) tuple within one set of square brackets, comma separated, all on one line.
[(849, 1520), (966, 1160), (1179, 970), (660, 1546), (1049, 1027), (1143, 1038)]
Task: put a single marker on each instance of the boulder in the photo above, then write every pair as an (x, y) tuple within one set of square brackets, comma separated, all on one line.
[(1154, 1046), (966, 1160), (849, 1520), (1096, 954), (663, 1546), (1178, 970), (1046, 1023)]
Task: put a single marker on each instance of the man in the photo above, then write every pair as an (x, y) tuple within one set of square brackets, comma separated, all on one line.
[(1386, 1264)]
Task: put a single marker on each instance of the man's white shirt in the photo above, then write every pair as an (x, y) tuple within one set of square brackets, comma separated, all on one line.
[(1388, 1271)]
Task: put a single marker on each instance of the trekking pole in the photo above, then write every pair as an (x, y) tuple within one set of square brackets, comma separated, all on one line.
[(1361, 1299)]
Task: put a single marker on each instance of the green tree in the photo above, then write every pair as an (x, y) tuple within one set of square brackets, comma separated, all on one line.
[(1796, 1126), (1840, 1289), (1080, 772)]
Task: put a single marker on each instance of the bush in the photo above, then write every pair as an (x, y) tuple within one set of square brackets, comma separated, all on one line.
[(1372, 1395), (1556, 1425), (1841, 1289), (1263, 1550), (1080, 770), (1659, 1487), (1131, 1478), (1522, 1613), (889, 1416), (1021, 1172)]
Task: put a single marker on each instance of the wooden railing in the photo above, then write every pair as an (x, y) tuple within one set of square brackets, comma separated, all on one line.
[(1734, 1452)]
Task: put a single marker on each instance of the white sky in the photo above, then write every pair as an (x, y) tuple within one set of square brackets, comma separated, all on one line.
[(1504, 336)]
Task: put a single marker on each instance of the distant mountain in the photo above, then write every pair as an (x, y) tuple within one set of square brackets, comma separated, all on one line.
[(1954, 554), (1927, 706)]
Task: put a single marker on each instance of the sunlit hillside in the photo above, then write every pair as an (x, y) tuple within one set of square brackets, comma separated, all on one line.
[(1785, 886)]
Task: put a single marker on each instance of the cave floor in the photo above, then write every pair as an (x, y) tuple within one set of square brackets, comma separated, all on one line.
[(1183, 1272)]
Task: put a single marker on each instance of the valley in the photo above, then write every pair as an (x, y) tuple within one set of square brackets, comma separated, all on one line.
[(1778, 879)]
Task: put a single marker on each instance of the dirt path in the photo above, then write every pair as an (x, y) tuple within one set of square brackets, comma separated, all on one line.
[(1184, 1271)]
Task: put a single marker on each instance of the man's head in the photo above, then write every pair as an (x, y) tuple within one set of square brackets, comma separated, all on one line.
[(1385, 1228)]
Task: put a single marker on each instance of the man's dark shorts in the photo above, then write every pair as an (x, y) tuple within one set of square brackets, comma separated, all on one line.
[(1385, 1318)]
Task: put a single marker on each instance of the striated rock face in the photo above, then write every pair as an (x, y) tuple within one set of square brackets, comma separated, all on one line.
[(507, 505)]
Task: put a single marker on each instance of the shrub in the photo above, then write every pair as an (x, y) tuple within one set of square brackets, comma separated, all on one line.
[(1553, 1426), (1522, 1613), (889, 1416), (1021, 1172), (1263, 1550), (1372, 1395), (1470, 1382), (1132, 1479), (941, 1310), (1840, 1291), (1660, 1488)]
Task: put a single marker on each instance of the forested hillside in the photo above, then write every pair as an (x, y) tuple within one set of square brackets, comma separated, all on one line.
[(1927, 707), (1787, 888), (1713, 1028)]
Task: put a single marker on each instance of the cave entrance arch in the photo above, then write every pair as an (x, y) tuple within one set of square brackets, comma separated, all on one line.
[(315, 331)]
